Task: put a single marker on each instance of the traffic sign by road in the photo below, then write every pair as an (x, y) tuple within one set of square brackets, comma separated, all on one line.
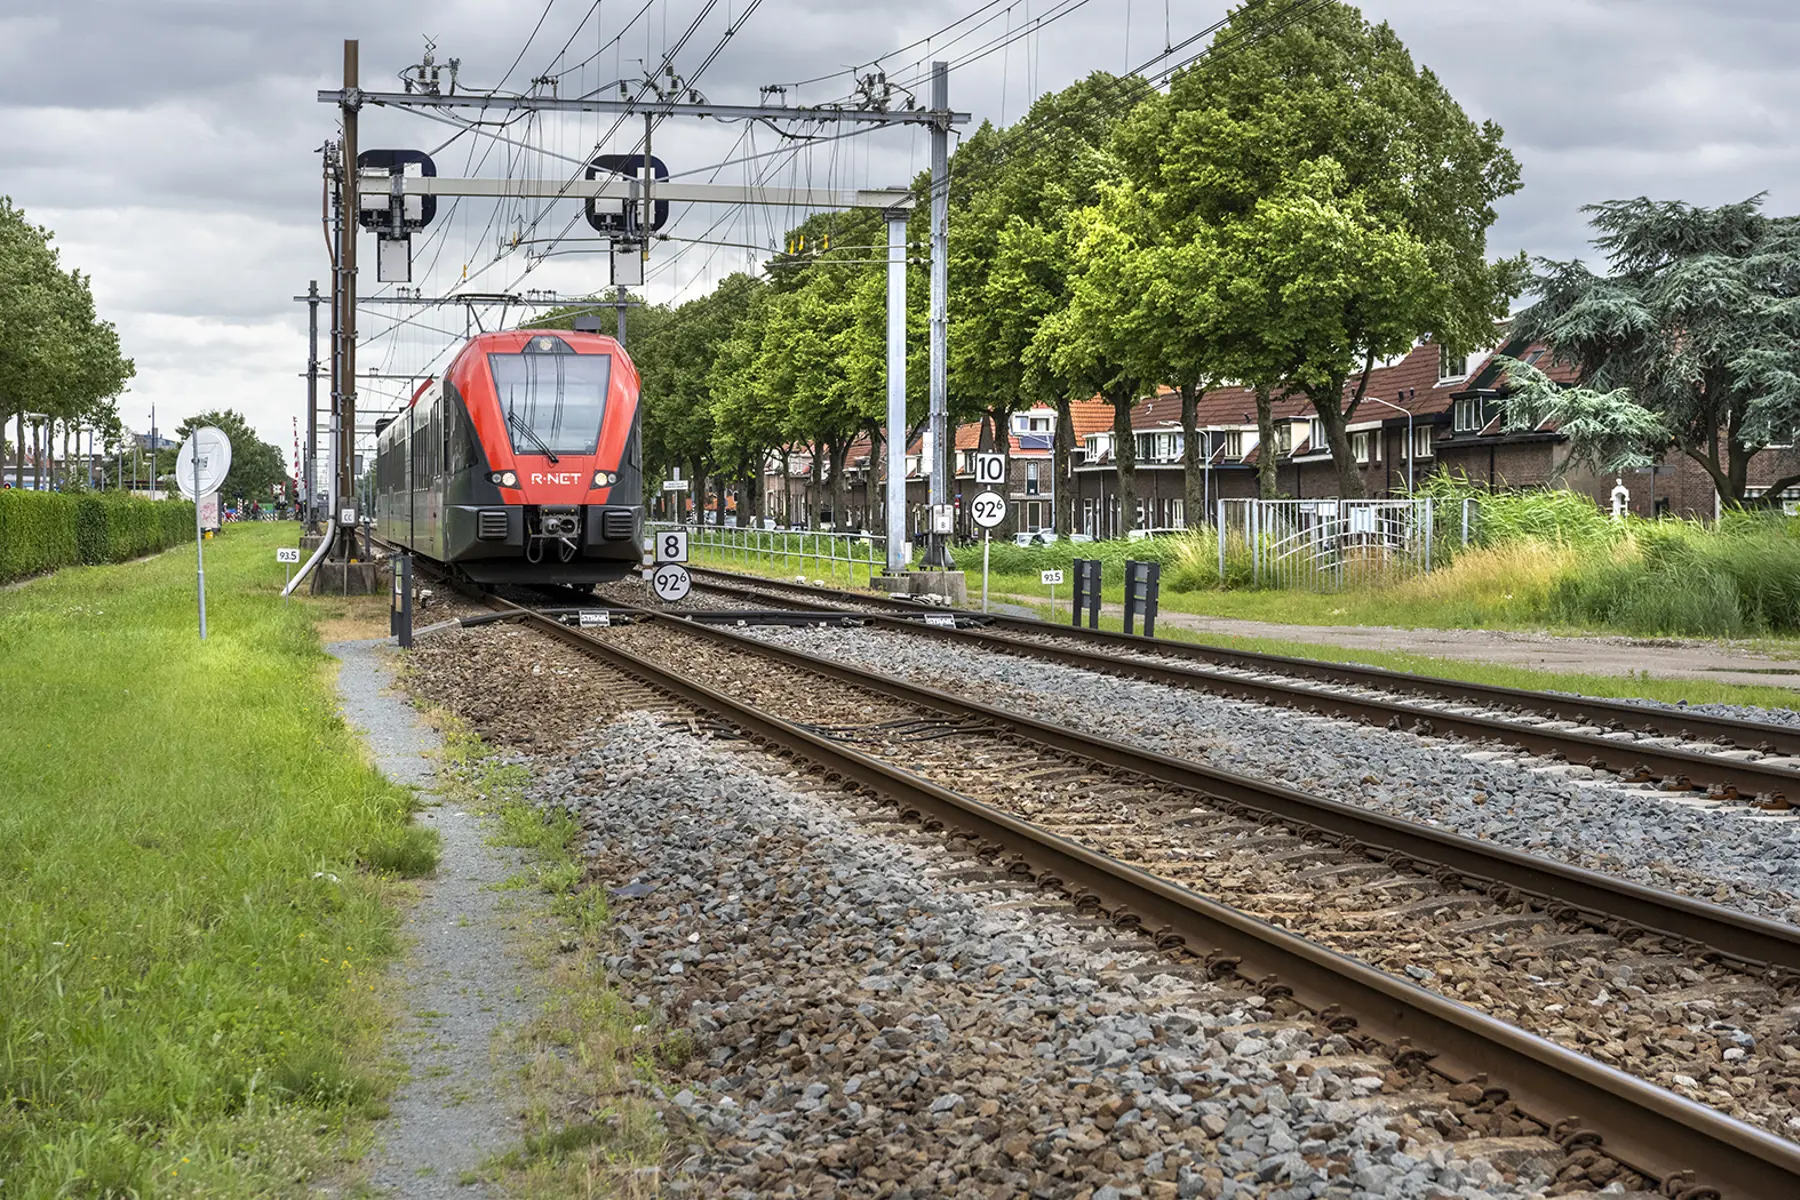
[(287, 554), (671, 582), (212, 450), (671, 546), (988, 509), (1050, 578), (990, 470)]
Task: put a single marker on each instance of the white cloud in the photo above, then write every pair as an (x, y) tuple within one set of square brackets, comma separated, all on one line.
[(171, 143)]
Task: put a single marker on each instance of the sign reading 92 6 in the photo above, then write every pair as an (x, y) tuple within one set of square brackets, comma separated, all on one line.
[(988, 509), (671, 582), (671, 546)]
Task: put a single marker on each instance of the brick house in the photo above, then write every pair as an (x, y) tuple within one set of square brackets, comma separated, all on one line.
[(1423, 411)]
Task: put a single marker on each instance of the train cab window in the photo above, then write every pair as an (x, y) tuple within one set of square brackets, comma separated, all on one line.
[(552, 400)]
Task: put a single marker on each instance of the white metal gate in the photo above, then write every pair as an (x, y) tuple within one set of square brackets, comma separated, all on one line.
[(1320, 545)]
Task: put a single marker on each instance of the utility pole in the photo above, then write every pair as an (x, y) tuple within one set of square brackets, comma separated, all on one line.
[(938, 553), (333, 162), (347, 226), (896, 392), (312, 401)]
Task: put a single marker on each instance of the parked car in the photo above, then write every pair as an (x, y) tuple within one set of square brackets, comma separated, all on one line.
[(1138, 535), (1042, 537)]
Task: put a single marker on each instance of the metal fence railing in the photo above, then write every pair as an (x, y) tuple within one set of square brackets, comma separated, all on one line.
[(1323, 545), (845, 559)]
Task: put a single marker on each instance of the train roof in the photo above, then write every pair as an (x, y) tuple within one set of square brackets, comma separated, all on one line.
[(505, 341)]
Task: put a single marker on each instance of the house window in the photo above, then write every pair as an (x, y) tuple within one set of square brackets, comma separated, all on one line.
[(1158, 447), (1284, 440), (1468, 417), (1032, 478), (912, 464), (1422, 442), (1362, 445), (1028, 423), (1099, 445), (1452, 363), (1034, 510), (1234, 443), (1315, 436), (1176, 516)]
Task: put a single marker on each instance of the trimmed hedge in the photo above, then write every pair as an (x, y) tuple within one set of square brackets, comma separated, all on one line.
[(41, 531)]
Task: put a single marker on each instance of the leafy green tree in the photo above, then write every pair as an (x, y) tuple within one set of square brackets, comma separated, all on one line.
[(1011, 261), (1331, 201), (1088, 348), (56, 356), (1692, 344), (745, 429), (256, 466)]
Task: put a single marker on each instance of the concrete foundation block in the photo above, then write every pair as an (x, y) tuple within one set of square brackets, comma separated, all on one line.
[(349, 579), (947, 587)]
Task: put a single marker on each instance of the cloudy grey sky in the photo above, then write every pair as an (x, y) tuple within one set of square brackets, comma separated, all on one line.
[(172, 143)]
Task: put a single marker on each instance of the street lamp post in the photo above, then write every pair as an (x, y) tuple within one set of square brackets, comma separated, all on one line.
[(1407, 412)]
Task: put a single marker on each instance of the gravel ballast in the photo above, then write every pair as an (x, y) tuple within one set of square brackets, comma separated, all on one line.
[(867, 1021), (1564, 811)]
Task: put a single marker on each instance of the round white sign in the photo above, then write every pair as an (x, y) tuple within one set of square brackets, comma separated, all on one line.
[(988, 509), (671, 582), (213, 450)]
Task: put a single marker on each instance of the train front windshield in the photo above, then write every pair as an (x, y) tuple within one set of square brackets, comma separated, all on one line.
[(553, 401)]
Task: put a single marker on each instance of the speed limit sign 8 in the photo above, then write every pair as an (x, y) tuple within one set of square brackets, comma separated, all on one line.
[(671, 546), (988, 509)]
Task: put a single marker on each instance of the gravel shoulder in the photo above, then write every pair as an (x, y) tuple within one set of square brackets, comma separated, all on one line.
[(868, 1020), (459, 983), (858, 1012)]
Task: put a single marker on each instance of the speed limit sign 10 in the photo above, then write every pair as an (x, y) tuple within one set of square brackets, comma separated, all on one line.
[(671, 546), (988, 509), (990, 469)]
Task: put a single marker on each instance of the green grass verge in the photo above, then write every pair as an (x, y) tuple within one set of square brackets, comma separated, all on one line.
[(588, 1131), (193, 911)]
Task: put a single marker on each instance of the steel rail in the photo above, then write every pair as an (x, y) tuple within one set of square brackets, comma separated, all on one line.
[(1735, 934), (1648, 1129), (1586, 709), (1592, 750)]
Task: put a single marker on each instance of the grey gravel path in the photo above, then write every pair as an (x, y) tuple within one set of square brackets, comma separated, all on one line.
[(461, 984), (1564, 811)]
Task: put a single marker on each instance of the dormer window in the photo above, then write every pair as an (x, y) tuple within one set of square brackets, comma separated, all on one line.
[(1469, 417)]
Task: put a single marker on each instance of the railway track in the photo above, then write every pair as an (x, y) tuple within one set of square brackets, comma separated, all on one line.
[(1749, 762), (1138, 836)]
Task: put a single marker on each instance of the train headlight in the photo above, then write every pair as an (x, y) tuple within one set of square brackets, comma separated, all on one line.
[(504, 478), (605, 478)]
